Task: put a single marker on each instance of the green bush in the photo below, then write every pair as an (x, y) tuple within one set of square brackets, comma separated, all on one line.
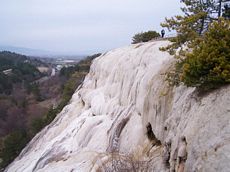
[(12, 145), (36, 125), (68, 71), (34, 89), (6, 85), (208, 65), (145, 36)]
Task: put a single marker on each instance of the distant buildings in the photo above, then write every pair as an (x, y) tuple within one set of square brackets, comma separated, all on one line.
[(43, 69), (7, 72), (59, 67)]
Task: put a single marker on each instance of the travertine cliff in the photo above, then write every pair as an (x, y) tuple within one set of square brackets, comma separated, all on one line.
[(126, 117)]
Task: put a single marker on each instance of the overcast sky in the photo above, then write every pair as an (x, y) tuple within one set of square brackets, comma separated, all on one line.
[(79, 26)]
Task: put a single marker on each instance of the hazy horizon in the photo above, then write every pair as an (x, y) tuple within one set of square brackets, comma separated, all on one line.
[(79, 27)]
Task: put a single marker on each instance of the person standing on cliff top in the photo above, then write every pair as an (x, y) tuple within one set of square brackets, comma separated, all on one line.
[(162, 33)]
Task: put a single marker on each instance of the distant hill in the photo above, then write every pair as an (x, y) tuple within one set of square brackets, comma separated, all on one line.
[(25, 51), (15, 68), (39, 53)]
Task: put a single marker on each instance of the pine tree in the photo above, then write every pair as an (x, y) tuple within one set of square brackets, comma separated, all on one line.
[(203, 53), (208, 65), (198, 14)]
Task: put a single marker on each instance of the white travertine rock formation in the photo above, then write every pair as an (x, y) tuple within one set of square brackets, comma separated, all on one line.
[(124, 97)]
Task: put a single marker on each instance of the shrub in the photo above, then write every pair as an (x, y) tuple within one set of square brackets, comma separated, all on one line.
[(34, 89), (12, 145), (36, 125), (145, 36), (208, 65), (6, 84), (68, 71)]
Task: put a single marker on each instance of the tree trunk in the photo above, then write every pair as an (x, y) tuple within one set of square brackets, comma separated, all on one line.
[(219, 10), (202, 26)]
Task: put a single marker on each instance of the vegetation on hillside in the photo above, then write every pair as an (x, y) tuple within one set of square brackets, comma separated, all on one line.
[(17, 96), (12, 146), (145, 36), (201, 46), (21, 70), (21, 131)]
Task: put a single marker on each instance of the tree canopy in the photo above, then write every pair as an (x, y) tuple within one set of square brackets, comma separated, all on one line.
[(201, 46), (208, 65), (22, 70), (198, 14)]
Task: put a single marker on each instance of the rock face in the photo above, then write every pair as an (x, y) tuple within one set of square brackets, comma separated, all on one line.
[(125, 117)]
